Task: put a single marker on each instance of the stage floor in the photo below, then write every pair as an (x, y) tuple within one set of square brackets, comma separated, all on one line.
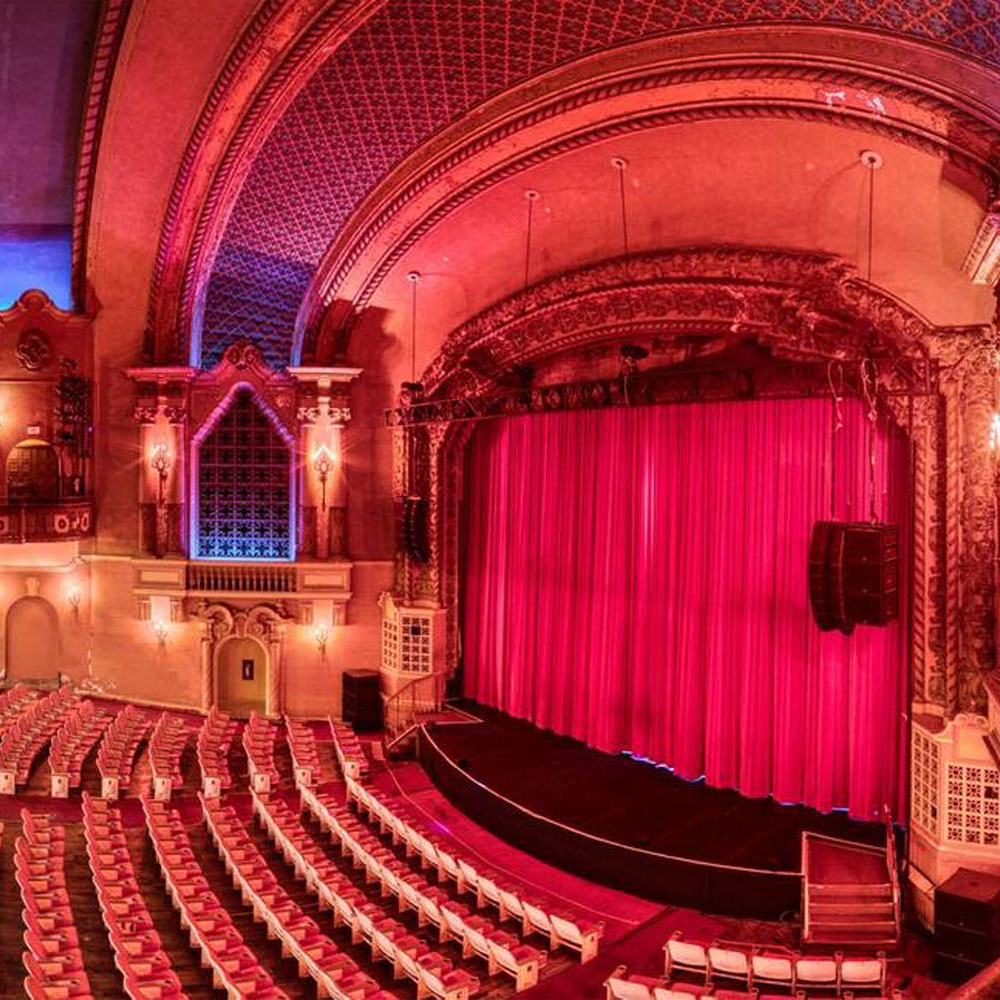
[(611, 800)]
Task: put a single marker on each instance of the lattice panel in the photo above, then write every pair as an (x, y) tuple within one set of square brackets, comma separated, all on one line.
[(417, 65), (390, 643), (925, 775), (973, 796), (244, 488), (415, 644)]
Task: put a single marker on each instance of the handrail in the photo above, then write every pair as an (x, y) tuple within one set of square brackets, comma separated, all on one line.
[(805, 885), (890, 851), (857, 844), (423, 694)]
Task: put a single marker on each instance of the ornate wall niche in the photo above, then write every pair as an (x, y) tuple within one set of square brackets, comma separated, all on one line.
[(800, 308)]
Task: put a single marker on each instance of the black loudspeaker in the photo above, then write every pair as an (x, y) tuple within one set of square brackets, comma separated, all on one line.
[(966, 925), (415, 536), (853, 574), (360, 700)]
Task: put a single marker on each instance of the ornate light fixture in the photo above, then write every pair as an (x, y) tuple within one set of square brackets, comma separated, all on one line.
[(322, 635), (161, 631), (74, 596), (160, 462), (323, 464)]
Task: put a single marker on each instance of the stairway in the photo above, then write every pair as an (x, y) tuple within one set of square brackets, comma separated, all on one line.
[(850, 897)]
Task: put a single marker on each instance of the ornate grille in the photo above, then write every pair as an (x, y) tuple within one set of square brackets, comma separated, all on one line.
[(973, 804), (926, 773), (244, 487)]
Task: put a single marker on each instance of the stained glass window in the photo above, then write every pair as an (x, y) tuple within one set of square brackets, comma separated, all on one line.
[(244, 487)]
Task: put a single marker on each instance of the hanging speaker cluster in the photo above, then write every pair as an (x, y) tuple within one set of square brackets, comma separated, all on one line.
[(416, 538), (853, 574)]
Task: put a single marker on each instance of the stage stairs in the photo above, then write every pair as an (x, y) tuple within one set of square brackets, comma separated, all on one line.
[(850, 893), (420, 701)]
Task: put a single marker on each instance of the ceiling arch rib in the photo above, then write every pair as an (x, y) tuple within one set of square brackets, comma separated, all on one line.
[(409, 70)]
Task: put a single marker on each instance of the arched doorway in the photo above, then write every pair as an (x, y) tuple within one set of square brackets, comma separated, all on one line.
[(241, 676), (32, 473), (33, 647)]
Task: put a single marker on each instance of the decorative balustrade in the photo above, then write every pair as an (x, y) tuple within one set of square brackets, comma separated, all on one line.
[(243, 578), (58, 521)]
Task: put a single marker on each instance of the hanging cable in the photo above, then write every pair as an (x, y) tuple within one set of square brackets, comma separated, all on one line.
[(532, 197), (869, 371), (836, 426), (414, 278), (869, 387)]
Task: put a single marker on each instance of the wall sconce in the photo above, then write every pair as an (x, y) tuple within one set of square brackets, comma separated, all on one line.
[(159, 461), (74, 595), (160, 631), (322, 635), (323, 464)]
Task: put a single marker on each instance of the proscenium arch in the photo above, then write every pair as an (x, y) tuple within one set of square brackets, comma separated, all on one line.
[(801, 307), (961, 126)]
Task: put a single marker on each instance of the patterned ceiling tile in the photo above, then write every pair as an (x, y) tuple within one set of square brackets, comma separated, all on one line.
[(417, 65)]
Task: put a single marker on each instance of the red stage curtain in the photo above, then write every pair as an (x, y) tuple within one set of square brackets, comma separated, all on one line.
[(637, 579)]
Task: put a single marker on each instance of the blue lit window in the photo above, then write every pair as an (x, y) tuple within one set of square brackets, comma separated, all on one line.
[(244, 493)]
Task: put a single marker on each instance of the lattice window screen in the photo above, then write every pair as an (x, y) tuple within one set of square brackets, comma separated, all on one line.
[(926, 772), (415, 645), (244, 487), (390, 643), (973, 797)]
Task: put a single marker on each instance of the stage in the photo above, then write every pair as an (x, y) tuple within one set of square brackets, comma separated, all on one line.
[(625, 823)]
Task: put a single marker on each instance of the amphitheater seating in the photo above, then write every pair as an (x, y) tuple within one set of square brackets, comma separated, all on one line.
[(145, 967), (170, 739), (433, 974), (335, 973), (350, 754), (53, 960), (562, 929), (259, 736), (235, 968), (760, 965), (29, 733), (116, 753), (302, 746), (81, 729), (214, 740), (13, 701)]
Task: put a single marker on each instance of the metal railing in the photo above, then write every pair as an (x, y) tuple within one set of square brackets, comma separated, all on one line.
[(419, 697), (890, 860)]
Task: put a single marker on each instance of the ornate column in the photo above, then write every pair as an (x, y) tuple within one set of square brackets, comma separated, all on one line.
[(207, 679), (323, 414)]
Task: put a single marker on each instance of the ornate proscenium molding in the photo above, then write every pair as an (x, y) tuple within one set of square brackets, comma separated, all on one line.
[(728, 323), (982, 262)]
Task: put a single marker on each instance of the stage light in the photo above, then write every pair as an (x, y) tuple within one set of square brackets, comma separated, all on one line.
[(995, 432)]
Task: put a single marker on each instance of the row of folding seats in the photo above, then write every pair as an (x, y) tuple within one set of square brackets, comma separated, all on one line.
[(433, 974), (335, 973), (117, 751), (214, 740), (235, 968), (80, 730), (562, 928), (139, 955), (53, 959), (350, 754), (501, 950), (757, 965), (13, 702), (305, 755), (29, 733), (622, 986), (171, 736), (259, 736)]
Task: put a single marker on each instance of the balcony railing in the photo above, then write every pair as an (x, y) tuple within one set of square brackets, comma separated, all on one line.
[(55, 521), (242, 578)]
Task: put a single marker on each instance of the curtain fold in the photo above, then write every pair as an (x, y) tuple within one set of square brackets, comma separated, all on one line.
[(637, 579)]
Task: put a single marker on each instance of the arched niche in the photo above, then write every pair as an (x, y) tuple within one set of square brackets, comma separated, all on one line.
[(241, 669), (33, 648), (32, 473)]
